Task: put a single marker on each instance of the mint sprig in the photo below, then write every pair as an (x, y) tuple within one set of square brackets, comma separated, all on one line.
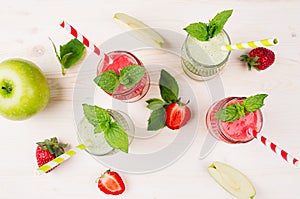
[(235, 111), (69, 53), (129, 76), (114, 134), (169, 90), (203, 32)]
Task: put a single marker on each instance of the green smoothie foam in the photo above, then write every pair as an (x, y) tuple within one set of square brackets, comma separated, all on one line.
[(204, 59), (208, 52)]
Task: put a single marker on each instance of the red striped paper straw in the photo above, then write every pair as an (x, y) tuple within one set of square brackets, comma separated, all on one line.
[(80, 37), (276, 149)]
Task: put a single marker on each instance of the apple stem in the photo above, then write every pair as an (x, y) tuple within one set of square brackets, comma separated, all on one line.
[(63, 71), (8, 88)]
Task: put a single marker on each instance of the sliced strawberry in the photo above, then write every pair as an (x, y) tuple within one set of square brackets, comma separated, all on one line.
[(111, 183), (177, 115)]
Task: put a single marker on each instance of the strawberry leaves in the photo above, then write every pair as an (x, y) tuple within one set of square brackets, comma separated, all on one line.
[(53, 146)]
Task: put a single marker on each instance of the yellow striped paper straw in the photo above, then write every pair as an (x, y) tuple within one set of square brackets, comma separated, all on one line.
[(251, 44), (63, 157)]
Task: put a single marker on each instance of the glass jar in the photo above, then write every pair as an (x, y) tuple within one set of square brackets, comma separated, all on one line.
[(117, 60), (203, 60), (235, 132), (95, 142)]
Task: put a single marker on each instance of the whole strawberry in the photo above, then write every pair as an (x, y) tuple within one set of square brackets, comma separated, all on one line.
[(177, 115), (48, 150), (110, 182), (260, 58)]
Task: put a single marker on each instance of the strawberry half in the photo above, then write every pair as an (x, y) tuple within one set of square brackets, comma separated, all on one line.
[(48, 150), (177, 115), (110, 182), (260, 58)]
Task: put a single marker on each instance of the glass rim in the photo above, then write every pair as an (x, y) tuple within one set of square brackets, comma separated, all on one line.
[(223, 135), (206, 65)]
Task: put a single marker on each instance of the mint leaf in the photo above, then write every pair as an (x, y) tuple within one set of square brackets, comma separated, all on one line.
[(95, 114), (235, 111), (168, 87), (116, 137), (229, 113), (254, 103), (240, 110), (76, 48), (70, 53), (131, 75), (154, 104), (102, 126), (108, 81), (157, 119), (198, 30), (114, 134), (216, 25)]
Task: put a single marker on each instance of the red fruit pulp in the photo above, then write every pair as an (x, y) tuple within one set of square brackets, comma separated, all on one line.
[(111, 183), (121, 59), (177, 115), (238, 131)]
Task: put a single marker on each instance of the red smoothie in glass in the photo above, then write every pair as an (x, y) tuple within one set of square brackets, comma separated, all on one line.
[(119, 60), (238, 131)]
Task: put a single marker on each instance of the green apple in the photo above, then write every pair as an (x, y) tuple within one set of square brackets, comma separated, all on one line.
[(232, 180), (141, 31), (24, 90)]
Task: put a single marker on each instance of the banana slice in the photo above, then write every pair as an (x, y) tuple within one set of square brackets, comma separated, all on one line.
[(232, 180), (142, 32)]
